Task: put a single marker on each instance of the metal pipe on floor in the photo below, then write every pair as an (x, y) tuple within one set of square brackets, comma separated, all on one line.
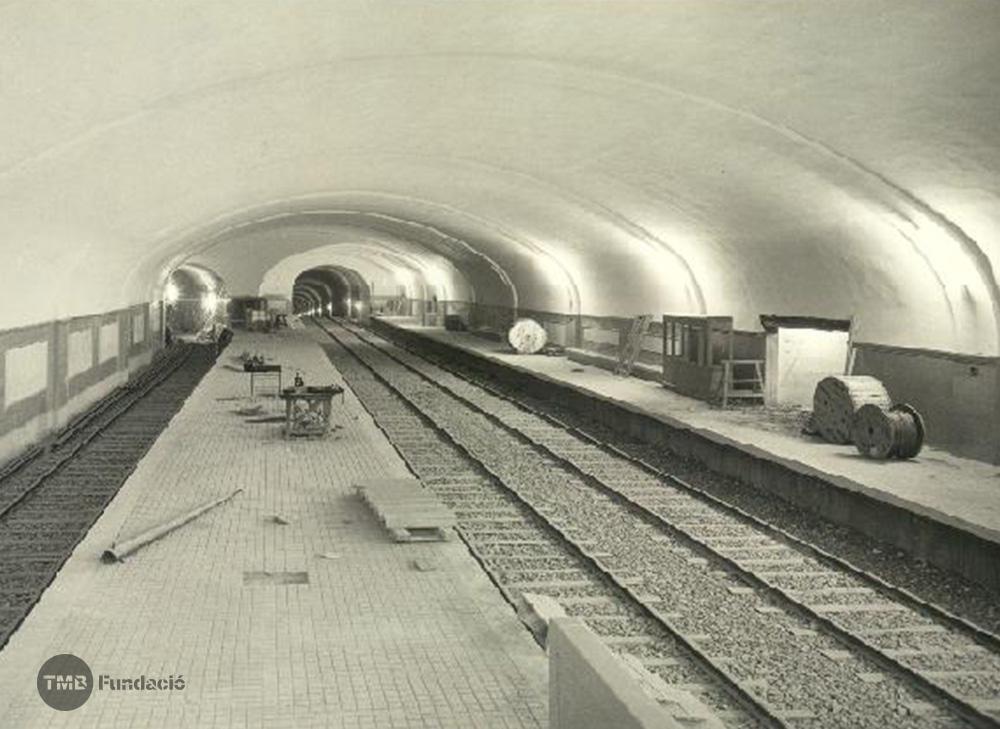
[(118, 551)]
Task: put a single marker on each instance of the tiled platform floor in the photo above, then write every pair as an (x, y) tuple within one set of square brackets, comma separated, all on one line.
[(957, 491), (370, 641)]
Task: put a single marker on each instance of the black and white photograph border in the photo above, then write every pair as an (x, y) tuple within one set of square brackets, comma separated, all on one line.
[(495, 364)]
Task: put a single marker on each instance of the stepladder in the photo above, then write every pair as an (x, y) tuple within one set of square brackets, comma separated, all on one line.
[(742, 379)]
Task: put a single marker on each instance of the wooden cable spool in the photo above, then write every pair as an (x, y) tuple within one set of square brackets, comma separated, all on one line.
[(527, 336), (836, 400), (896, 433)]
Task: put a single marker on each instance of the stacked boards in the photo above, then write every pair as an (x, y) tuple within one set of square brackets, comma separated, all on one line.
[(408, 511)]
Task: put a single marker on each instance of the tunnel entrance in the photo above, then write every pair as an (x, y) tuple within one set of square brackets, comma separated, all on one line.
[(331, 291)]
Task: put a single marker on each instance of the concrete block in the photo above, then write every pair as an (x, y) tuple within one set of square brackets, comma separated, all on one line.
[(589, 688), (536, 611), (682, 705)]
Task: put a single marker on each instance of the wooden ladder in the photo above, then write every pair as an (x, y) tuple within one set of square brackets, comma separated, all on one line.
[(628, 352), (751, 388)]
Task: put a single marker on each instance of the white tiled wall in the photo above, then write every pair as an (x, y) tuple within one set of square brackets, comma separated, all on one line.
[(26, 371), (81, 352), (108, 341)]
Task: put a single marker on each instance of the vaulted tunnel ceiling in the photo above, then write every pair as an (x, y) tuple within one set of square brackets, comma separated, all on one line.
[(808, 158), (337, 289)]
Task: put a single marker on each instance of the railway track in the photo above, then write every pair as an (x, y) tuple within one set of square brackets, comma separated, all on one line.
[(812, 639), (52, 495), (523, 551)]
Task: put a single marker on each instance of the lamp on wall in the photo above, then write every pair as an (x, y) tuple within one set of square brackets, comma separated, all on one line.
[(209, 302), (171, 293)]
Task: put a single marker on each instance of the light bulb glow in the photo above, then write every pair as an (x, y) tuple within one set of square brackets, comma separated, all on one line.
[(171, 293)]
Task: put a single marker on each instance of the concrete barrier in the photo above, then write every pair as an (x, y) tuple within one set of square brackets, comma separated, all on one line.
[(590, 688), (536, 612)]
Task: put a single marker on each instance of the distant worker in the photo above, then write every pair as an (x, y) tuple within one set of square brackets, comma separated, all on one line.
[(223, 340)]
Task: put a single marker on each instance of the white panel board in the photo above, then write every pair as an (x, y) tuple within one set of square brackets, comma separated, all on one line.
[(81, 352), (138, 327), (804, 357), (154, 317), (108, 341), (26, 371)]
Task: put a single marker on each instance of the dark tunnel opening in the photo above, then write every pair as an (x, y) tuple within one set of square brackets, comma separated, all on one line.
[(331, 291)]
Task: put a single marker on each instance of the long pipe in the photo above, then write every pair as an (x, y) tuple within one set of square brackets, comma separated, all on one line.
[(118, 551)]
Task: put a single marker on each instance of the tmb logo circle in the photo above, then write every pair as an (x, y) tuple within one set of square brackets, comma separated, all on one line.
[(65, 682)]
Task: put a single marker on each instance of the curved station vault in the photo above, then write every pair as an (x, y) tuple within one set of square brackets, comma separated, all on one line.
[(556, 276), (794, 159)]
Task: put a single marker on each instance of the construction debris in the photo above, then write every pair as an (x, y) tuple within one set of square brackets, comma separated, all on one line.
[(119, 550)]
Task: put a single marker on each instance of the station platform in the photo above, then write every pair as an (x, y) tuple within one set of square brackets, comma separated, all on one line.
[(937, 507), (288, 606)]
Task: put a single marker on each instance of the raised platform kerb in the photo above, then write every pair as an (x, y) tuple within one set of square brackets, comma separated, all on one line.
[(937, 507)]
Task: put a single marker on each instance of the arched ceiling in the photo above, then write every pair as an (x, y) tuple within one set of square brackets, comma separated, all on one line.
[(339, 291), (793, 157), (403, 258)]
